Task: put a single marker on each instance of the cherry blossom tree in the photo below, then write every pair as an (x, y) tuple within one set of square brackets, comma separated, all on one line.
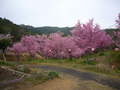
[(117, 34), (117, 41), (70, 48), (5, 36), (118, 21), (54, 45), (31, 44), (18, 49), (58, 46), (42, 40), (86, 36), (104, 40)]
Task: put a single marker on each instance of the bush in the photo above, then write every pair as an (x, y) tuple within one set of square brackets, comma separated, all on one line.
[(53, 73), (26, 69)]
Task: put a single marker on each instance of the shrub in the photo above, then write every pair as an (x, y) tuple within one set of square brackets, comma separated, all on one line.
[(53, 73), (26, 69)]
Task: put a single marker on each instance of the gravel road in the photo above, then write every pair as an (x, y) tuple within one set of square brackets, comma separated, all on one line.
[(104, 80)]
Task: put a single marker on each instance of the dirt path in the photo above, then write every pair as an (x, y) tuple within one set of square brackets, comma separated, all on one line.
[(77, 80), (56, 84)]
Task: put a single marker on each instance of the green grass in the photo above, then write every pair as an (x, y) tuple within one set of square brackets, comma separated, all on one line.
[(31, 61), (9, 64), (36, 79), (81, 62), (89, 63)]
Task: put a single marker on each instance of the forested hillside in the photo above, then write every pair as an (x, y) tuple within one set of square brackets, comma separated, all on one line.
[(6, 26), (47, 29)]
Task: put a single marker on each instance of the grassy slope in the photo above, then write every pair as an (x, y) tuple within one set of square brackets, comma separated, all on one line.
[(98, 66)]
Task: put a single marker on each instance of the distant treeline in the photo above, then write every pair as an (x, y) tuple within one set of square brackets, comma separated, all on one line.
[(47, 29), (6, 26)]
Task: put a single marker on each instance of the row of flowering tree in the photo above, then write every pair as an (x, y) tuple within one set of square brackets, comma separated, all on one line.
[(85, 39)]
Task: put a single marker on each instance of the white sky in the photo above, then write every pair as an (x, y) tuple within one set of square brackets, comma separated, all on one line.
[(60, 13)]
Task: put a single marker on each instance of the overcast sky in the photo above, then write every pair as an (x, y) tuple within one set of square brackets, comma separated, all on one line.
[(60, 13)]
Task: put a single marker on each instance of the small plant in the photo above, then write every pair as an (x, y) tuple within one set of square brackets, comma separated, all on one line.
[(26, 69), (2, 62), (53, 73), (89, 63)]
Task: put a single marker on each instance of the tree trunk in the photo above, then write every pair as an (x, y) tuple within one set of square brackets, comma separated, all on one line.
[(70, 56), (4, 57), (102, 50), (86, 59), (17, 59)]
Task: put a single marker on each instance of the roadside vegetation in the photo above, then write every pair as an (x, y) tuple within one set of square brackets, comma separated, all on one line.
[(98, 63)]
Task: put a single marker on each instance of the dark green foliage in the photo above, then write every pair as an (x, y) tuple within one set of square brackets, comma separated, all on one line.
[(4, 43), (7, 26), (47, 29), (2, 62)]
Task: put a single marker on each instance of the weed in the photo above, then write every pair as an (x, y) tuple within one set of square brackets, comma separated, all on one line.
[(26, 69), (53, 73)]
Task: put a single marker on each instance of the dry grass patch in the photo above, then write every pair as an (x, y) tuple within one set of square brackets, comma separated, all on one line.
[(92, 85)]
